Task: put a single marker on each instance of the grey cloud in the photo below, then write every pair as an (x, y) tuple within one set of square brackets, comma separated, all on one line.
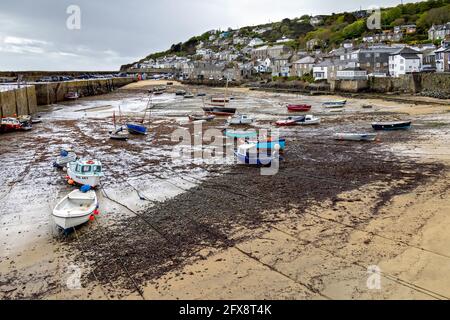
[(117, 32)]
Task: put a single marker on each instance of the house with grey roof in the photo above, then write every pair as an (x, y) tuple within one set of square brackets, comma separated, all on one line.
[(437, 32), (303, 66)]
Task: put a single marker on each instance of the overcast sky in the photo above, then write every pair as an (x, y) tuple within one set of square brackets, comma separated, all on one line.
[(34, 35)]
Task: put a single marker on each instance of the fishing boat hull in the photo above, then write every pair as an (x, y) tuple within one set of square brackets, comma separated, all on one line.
[(220, 100), (299, 108), (92, 181), (218, 111), (119, 136), (75, 209), (256, 160), (334, 104), (136, 129), (13, 124), (270, 145), (201, 118), (72, 96), (355, 136), (286, 123), (392, 125), (80, 179)]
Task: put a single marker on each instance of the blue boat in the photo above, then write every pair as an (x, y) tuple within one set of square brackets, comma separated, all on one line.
[(240, 134), (136, 128), (271, 144), (247, 154)]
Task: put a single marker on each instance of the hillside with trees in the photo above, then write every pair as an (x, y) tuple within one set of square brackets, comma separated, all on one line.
[(332, 31)]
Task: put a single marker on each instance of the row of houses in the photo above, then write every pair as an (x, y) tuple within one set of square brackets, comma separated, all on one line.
[(357, 63)]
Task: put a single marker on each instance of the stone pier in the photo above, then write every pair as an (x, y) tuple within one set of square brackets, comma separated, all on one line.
[(16, 101), (54, 92)]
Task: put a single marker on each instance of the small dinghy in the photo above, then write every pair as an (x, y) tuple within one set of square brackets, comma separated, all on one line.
[(85, 172), (188, 95), (249, 154), (72, 96), (299, 107), (309, 120), (335, 104), (399, 125), (65, 158), (289, 122), (355, 136), (220, 111), (119, 134), (302, 120), (240, 119), (75, 209), (13, 124), (240, 134), (180, 93), (195, 117)]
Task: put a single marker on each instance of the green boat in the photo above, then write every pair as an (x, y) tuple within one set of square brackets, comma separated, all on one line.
[(240, 134)]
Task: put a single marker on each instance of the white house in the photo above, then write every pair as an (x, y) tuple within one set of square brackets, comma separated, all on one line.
[(320, 71), (283, 40), (403, 61), (255, 42), (442, 59)]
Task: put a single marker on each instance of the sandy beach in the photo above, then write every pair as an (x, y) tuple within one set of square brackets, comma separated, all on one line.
[(173, 227)]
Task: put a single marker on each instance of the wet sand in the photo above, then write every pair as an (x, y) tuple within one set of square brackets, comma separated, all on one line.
[(173, 229)]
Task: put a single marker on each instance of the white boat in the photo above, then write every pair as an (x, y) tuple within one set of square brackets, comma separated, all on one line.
[(119, 134), (75, 209), (65, 158), (309, 120), (85, 172), (355, 136), (335, 104), (240, 119)]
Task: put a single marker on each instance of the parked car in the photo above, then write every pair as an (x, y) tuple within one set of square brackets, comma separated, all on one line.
[(428, 69), (45, 79)]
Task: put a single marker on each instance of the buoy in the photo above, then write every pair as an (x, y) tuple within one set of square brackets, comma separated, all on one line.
[(92, 218), (67, 177), (71, 182), (96, 212)]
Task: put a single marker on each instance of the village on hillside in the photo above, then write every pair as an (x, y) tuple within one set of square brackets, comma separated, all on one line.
[(232, 56)]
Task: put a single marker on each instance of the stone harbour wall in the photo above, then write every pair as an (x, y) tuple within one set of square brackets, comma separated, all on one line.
[(54, 92), (17, 101)]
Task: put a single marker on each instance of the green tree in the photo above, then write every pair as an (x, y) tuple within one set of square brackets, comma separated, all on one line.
[(354, 30)]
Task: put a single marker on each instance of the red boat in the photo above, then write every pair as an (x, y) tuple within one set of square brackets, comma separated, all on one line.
[(286, 123), (299, 107)]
